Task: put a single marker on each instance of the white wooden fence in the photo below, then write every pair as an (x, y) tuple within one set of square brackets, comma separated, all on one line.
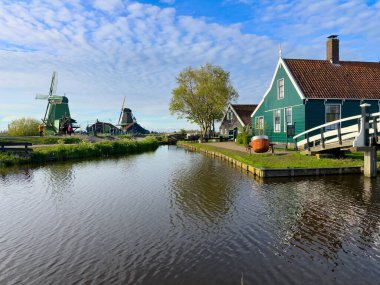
[(339, 137)]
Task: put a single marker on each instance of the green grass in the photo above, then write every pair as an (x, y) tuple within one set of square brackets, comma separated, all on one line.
[(360, 156), (62, 152), (290, 159), (43, 140)]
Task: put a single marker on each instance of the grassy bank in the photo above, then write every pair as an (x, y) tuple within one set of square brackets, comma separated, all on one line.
[(280, 160), (43, 140), (62, 151)]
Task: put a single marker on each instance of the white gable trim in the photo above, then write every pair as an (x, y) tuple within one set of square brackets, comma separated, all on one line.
[(298, 89), (225, 113), (233, 110), (295, 84), (237, 116)]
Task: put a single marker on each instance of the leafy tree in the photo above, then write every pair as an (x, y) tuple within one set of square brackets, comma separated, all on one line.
[(24, 127), (202, 95)]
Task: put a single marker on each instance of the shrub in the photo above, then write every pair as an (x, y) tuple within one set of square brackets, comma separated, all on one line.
[(239, 138), (243, 137), (24, 127)]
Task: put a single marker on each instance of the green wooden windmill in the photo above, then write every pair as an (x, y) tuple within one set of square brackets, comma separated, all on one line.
[(57, 116)]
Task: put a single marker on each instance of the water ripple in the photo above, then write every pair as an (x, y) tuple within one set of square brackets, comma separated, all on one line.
[(176, 217)]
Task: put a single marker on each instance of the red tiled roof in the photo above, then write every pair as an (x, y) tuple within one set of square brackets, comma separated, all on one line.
[(320, 79), (244, 112)]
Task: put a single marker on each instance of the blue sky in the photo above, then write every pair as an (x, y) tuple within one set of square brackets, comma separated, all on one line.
[(104, 50)]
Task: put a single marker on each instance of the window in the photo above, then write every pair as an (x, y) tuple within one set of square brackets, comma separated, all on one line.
[(280, 88), (287, 117), (332, 112), (259, 123), (277, 120), (229, 116), (259, 126)]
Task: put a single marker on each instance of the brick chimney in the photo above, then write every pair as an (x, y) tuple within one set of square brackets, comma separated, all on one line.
[(332, 49)]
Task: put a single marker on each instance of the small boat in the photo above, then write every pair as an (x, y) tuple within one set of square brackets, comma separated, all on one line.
[(260, 144)]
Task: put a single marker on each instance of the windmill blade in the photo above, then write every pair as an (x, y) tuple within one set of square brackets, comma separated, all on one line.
[(121, 112), (47, 108), (53, 85), (41, 97)]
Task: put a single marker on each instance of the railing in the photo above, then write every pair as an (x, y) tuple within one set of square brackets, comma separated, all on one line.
[(13, 147), (337, 137)]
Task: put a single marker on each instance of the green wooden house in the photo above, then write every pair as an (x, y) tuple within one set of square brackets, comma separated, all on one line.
[(306, 93)]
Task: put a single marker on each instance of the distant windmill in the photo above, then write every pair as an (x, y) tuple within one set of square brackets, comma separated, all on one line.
[(121, 112), (128, 122), (57, 114), (126, 117)]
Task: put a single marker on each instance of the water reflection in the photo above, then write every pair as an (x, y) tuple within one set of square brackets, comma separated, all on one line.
[(324, 217), (12, 174), (59, 179), (175, 217), (201, 193)]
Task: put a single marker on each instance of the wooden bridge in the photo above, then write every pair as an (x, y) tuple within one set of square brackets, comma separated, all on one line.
[(360, 132), (320, 138)]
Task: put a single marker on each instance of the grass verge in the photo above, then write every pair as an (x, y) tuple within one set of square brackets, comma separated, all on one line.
[(62, 152), (280, 160), (43, 140)]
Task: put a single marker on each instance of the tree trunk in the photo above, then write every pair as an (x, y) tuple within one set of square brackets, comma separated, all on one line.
[(213, 127)]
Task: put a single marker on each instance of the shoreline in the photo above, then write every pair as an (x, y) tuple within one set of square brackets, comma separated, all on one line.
[(276, 172), (80, 151)]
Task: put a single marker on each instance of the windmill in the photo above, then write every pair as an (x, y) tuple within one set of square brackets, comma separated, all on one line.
[(126, 117), (57, 117), (121, 112), (128, 122)]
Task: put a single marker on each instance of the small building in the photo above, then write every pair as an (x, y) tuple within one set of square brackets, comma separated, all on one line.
[(236, 117), (102, 128), (305, 93)]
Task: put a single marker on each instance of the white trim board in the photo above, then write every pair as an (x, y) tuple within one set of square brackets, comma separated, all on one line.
[(271, 110)]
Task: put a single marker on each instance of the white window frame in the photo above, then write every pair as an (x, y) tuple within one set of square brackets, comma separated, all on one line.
[(275, 130), (280, 95), (291, 117), (332, 127), (229, 115), (257, 121)]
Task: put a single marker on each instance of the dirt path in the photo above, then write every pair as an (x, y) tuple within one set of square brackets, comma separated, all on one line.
[(228, 145)]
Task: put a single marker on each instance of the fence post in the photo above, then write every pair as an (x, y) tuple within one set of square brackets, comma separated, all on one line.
[(374, 125), (308, 142), (339, 135), (365, 117), (362, 142), (322, 139)]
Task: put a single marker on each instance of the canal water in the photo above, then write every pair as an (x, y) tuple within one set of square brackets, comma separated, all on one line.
[(177, 217)]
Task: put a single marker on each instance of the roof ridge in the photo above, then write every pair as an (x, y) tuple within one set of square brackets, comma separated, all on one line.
[(324, 60)]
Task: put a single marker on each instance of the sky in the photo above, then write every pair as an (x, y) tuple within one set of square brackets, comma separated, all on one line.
[(104, 50)]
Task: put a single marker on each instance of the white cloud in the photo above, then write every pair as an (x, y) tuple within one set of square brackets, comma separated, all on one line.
[(136, 50), (108, 5)]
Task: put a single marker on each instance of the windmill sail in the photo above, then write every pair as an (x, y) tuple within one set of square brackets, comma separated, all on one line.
[(53, 85), (121, 112), (41, 97)]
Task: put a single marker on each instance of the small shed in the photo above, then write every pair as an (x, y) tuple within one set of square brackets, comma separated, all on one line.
[(102, 128), (236, 117)]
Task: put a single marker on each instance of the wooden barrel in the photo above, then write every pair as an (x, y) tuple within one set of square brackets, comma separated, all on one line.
[(260, 144)]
